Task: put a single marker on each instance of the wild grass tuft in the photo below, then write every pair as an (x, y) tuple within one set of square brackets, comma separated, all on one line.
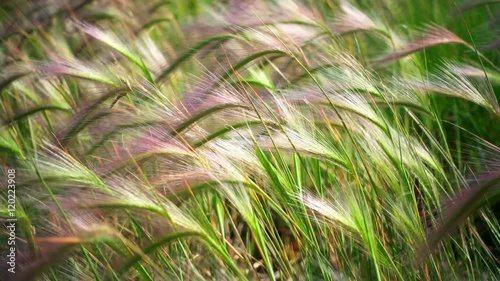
[(251, 140)]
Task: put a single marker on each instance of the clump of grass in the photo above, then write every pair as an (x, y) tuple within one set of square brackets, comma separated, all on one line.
[(313, 144)]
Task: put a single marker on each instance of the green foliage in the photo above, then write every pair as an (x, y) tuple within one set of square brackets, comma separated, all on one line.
[(252, 140)]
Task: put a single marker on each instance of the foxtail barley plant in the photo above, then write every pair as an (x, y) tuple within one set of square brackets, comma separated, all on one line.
[(251, 140)]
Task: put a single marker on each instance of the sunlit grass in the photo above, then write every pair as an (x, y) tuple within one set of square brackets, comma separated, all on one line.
[(305, 140)]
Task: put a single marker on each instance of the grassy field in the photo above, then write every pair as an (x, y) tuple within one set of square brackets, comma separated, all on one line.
[(249, 140)]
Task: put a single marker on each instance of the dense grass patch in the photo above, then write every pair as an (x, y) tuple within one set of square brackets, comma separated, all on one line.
[(251, 140)]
